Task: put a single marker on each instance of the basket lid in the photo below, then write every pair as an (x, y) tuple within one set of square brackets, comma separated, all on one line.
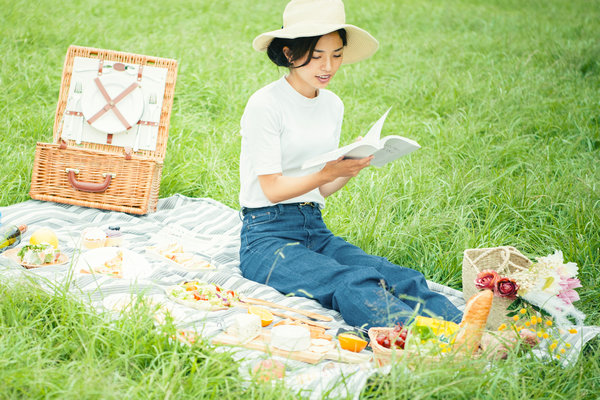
[(115, 102)]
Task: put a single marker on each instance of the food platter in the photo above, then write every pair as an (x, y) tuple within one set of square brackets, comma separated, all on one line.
[(13, 254), (115, 262), (175, 256), (202, 296), (314, 355)]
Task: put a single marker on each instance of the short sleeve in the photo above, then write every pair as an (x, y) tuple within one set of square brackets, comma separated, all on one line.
[(261, 129), (338, 128)]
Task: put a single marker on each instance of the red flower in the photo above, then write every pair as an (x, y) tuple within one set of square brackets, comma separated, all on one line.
[(506, 287), (486, 279)]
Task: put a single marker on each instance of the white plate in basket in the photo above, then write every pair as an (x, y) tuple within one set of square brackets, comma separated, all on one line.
[(131, 107)]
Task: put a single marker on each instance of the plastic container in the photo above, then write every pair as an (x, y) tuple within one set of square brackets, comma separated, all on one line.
[(93, 238), (114, 237)]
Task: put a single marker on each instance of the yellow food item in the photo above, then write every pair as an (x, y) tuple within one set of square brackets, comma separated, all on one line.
[(44, 235), (351, 342), (473, 322), (438, 326), (265, 315)]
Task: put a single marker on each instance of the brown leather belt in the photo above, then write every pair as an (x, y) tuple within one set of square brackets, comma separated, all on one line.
[(246, 210)]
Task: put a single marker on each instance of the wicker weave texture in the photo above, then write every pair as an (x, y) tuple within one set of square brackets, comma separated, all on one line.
[(128, 58), (134, 189), (381, 355)]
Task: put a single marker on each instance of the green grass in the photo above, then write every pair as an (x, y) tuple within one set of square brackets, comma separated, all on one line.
[(503, 96)]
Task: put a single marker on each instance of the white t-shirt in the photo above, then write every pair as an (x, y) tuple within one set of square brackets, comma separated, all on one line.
[(280, 130)]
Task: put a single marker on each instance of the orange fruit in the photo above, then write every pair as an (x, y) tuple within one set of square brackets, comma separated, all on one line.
[(265, 315), (351, 342)]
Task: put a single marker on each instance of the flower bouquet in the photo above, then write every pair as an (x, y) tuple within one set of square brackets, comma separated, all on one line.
[(544, 288)]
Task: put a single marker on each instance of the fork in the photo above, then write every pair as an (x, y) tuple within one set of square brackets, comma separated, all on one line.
[(152, 107), (71, 101), (147, 114), (78, 91)]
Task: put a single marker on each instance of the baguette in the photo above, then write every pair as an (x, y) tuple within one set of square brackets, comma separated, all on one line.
[(473, 322)]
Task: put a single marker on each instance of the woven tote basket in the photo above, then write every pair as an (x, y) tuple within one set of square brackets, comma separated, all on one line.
[(103, 175), (504, 260)]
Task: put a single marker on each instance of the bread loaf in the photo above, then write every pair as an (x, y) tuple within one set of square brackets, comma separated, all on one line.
[(473, 322)]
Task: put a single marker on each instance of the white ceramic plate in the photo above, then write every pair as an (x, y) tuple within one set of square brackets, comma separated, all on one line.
[(123, 301), (131, 107), (134, 265)]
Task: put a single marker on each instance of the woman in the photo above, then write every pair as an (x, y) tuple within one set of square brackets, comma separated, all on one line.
[(284, 241)]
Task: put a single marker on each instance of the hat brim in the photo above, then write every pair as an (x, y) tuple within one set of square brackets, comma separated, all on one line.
[(360, 44)]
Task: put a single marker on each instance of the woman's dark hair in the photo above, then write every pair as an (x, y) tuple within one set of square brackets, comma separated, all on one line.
[(298, 48)]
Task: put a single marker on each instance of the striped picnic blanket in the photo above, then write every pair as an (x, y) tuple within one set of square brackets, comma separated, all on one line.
[(212, 229)]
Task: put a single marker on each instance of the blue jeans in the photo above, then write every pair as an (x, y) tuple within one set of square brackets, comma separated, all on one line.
[(288, 247)]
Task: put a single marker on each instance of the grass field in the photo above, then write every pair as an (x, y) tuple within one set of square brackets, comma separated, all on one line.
[(502, 95)]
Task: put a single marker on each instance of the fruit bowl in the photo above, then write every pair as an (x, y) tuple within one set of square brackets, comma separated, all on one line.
[(383, 355)]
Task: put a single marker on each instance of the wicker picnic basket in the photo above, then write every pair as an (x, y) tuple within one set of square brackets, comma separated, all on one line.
[(383, 356), (504, 260), (100, 173)]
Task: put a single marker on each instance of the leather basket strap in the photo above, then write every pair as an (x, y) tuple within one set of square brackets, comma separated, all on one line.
[(111, 104)]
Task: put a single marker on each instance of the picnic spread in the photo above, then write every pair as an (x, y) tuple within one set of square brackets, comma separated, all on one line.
[(102, 232), (209, 231)]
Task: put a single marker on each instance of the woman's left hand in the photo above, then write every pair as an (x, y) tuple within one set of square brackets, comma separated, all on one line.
[(346, 167)]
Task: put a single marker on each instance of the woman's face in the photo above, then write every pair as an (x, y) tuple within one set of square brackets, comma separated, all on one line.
[(317, 74)]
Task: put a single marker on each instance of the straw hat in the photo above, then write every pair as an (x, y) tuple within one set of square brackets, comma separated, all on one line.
[(303, 18)]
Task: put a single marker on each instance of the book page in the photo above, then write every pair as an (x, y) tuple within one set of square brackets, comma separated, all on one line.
[(361, 151), (375, 132), (352, 150), (370, 144), (393, 147)]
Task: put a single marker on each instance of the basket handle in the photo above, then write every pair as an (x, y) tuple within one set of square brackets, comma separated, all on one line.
[(88, 186), (507, 251)]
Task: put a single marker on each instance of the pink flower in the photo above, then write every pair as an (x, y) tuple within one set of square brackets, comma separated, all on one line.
[(506, 287), (486, 279), (568, 296), (569, 283)]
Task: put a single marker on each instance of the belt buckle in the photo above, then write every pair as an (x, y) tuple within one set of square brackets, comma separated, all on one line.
[(308, 203)]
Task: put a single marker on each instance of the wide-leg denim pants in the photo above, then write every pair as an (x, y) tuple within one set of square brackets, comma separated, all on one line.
[(289, 247)]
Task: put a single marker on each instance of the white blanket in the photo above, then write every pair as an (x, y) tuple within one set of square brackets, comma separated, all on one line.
[(211, 228)]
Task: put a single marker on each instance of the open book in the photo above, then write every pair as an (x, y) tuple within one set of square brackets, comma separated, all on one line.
[(383, 150)]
